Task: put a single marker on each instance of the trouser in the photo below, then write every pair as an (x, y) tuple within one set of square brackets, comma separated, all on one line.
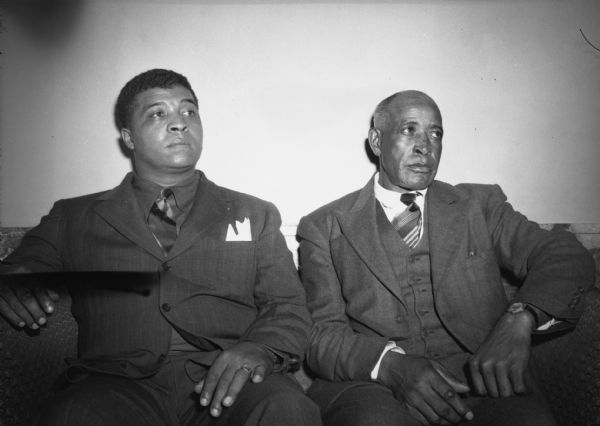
[(168, 398), (372, 404)]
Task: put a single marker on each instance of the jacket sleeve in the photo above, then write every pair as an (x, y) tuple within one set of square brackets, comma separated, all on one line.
[(336, 351), (39, 250), (282, 322), (554, 267)]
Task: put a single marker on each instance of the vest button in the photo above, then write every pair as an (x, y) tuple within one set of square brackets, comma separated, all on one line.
[(165, 266), (166, 307)]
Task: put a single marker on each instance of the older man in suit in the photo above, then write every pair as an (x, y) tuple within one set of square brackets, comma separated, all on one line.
[(218, 309), (411, 321)]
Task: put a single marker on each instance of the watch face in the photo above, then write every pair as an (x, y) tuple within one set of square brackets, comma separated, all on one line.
[(515, 308)]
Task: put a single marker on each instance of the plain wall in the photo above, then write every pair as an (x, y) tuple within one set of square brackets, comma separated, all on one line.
[(286, 90)]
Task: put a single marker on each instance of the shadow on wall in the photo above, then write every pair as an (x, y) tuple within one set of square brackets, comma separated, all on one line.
[(46, 21)]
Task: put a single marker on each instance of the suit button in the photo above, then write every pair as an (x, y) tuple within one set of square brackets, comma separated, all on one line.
[(166, 266), (166, 307)]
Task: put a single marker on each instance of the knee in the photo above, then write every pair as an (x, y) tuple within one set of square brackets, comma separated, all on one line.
[(287, 405), (65, 409), (386, 414)]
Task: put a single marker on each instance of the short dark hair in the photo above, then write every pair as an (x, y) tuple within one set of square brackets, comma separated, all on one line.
[(161, 78), (381, 119)]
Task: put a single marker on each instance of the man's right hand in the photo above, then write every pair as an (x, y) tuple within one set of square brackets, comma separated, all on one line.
[(23, 306), (425, 387)]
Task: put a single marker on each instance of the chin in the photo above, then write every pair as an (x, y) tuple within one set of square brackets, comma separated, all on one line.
[(185, 161)]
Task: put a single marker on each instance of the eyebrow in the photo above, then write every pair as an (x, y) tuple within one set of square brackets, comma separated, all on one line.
[(160, 103)]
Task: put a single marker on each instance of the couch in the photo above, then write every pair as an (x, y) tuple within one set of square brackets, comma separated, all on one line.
[(567, 366)]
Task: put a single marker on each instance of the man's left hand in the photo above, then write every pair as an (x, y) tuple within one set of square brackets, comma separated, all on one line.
[(498, 366), (230, 372)]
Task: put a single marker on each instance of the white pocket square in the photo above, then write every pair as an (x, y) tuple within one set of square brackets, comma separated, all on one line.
[(239, 231)]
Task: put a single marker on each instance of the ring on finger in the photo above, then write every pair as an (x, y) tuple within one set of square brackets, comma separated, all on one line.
[(246, 369)]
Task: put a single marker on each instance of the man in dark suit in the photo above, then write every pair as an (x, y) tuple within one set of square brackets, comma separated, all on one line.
[(411, 321), (220, 309)]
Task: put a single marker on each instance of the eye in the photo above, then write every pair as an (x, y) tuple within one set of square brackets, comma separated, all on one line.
[(157, 114), (189, 113), (408, 130), (436, 134)]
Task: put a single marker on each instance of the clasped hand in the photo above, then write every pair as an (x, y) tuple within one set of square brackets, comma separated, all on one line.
[(498, 367), (431, 393), (426, 388), (229, 373), (21, 305)]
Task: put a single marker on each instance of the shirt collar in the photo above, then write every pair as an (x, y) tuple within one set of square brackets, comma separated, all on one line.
[(391, 199), (147, 191)]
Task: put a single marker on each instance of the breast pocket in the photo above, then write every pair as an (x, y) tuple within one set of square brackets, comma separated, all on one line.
[(482, 267)]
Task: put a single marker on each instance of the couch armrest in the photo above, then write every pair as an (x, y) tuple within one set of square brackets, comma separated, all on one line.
[(568, 368), (31, 362)]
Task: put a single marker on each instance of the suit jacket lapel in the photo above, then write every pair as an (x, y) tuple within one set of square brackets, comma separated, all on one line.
[(121, 210), (447, 218), (359, 225), (209, 208)]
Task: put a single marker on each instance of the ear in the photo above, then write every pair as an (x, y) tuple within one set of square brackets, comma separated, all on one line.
[(375, 141), (126, 136)]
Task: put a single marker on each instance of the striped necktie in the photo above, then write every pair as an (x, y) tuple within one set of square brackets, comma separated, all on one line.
[(408, 222), (162, 220)]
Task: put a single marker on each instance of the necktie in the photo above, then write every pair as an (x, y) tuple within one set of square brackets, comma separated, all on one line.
[(161, 220), (408, 223)]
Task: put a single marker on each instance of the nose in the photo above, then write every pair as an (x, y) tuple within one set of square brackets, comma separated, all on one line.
[(422, 145), (178, 125)]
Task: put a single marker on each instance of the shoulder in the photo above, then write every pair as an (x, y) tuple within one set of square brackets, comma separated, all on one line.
[(96, 196), (467, 191), (241, 198), (334, 208), (241, 204), (82, 201)]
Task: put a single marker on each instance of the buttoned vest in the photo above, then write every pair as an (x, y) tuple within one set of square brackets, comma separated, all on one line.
[(420, 328)]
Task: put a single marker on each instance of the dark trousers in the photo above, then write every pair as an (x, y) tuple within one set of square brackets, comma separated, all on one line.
[(168, 398), (372, 404)]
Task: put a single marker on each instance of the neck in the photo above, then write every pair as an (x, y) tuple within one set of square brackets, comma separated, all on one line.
[(167, 179)]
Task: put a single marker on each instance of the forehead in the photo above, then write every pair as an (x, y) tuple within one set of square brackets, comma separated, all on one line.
[(415, 109), (158, 95)]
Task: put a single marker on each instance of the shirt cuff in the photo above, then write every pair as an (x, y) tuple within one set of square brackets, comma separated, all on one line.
[(391, 346), (542, 319)]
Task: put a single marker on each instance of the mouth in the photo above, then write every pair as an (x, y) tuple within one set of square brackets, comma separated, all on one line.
[(419, 168), (178, 143)]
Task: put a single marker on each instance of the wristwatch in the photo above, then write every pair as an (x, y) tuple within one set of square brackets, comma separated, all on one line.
[(518, 307)]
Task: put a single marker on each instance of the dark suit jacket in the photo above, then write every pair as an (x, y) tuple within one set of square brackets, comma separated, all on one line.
[(473, 233), (214, 292)]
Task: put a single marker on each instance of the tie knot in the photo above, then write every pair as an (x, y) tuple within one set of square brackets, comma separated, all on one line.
[(166, 202), (408, 198), (166, 193)]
